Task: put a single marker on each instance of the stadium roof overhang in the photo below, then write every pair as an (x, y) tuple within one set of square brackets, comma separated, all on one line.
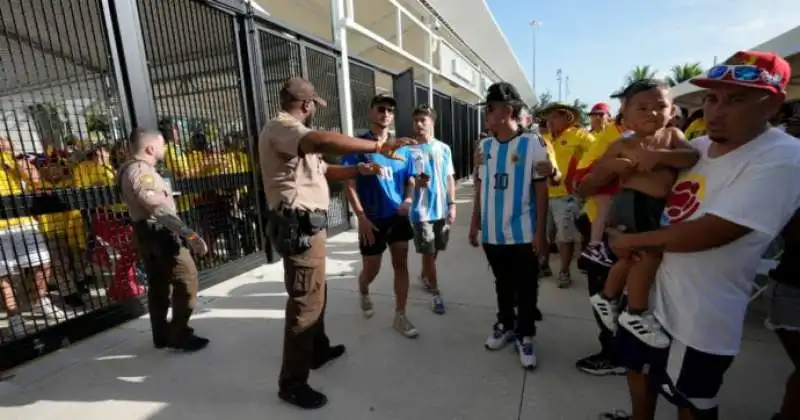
[(393, 34), (786, 44)]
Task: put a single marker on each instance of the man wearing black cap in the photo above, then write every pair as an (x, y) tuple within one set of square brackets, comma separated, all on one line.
[(296, 183), (510, 211), (382, 204)]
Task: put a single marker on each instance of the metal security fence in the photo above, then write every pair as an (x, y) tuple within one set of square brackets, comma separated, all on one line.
[(76, 76), (193, 62), (61, 121)]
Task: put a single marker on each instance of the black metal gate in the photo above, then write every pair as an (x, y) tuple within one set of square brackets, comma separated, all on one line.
[(76, 76)]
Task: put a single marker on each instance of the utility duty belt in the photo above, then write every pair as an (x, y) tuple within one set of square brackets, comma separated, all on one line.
[(291, 230)]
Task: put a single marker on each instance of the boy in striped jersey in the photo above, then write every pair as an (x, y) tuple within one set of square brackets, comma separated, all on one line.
[(434, 208), (510, 210)]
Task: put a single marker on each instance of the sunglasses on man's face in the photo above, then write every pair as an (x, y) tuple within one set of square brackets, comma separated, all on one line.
[(385, 109)]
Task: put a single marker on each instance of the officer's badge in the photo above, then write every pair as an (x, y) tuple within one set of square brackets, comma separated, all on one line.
[(514, 158), (147, 181)]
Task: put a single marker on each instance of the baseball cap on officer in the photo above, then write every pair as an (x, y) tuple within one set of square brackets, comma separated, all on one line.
[(761, 70), (382, 99), (503, 92), (299, 89)]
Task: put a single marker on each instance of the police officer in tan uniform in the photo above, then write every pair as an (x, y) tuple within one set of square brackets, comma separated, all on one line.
[(163, 242), (296, 183)]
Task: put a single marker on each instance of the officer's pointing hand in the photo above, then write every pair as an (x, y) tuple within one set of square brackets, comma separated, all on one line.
[(389, 147), (196, 244), (369, 168)]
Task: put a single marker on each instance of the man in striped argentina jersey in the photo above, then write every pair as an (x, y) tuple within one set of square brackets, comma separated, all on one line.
[(510, 211), (434, 209)]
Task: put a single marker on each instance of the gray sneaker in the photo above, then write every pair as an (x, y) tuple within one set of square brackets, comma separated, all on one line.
[(564, 280), (366, 306), (404, 326)]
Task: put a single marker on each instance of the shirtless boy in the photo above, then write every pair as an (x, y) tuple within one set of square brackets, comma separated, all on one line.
[(645, 161)]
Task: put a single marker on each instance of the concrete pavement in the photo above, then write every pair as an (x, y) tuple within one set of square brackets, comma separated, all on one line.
[(444, 374)]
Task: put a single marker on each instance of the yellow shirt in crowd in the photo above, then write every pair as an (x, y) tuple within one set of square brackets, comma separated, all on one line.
[(92, 174), (68, 223), (696, 129), (568, 148), (10, 184), (603, 139)]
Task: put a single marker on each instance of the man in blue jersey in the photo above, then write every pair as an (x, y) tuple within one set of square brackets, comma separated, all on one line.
[(510, 211), (382, 205), (434, 207)]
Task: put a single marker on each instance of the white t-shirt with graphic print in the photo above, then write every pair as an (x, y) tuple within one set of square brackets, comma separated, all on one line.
[(701, 298)]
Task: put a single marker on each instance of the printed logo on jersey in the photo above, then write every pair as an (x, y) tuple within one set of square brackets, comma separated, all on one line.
[(685, 198), (514, 158)]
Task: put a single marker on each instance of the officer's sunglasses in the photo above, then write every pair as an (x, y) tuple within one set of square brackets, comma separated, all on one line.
[(385, 109)]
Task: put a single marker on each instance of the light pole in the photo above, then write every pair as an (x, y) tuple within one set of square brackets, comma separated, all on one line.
[(566, 89), (560, 79), (535, 24)]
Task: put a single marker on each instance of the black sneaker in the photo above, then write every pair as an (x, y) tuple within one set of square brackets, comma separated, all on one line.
[(332, 353), (304, 397), (599, 365), (191, 344), (545, 271)]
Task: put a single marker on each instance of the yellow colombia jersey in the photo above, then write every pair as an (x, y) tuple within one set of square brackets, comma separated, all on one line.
[(68, 223), (10, 184), (696, 129), (92, 174), (568, 147), (603, 139)]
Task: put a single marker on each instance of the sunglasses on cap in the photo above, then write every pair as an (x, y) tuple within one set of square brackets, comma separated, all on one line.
[(742, 73)]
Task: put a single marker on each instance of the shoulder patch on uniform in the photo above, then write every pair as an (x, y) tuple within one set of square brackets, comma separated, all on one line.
[(147, 180)]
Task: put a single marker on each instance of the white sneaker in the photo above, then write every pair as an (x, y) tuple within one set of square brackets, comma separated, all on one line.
[(17, 326), (404, 326), (645, 328), (45, 308), (527, 352), (606, 310), (499, 337), (366, 306)]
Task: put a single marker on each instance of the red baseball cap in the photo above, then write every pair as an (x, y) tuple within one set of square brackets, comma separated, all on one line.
[(767, 71), (600, 108)]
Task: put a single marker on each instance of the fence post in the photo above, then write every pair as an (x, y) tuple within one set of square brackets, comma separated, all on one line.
[(127, 32)]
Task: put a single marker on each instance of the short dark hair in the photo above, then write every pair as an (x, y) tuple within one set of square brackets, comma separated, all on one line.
[(424, 111), (138, 134), (638, 86)]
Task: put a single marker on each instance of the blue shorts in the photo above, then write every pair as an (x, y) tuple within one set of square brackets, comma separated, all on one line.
[(685, 376)]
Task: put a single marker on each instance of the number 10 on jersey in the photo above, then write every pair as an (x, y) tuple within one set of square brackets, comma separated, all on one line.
[(500, 181)]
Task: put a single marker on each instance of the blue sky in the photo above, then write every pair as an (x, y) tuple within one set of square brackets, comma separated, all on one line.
[(597, 43)]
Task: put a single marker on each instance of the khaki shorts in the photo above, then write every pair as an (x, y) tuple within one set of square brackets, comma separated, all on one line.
[(431, 237), (562, 213)]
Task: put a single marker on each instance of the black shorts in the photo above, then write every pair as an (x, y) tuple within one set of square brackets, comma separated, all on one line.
[(685, 376), (634, 211), (390, 230)]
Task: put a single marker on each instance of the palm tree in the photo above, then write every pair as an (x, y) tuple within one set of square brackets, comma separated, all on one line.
[(583, 107), (641, 73), (684, 72)]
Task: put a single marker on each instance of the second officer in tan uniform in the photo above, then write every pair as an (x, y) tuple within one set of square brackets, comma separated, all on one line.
[(163, 241), (296, 183)]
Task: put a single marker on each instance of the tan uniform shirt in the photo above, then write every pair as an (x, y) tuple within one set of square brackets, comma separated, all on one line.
[(291, 178), (143, 189)]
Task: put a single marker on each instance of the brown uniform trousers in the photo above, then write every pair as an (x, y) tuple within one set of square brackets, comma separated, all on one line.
[(304, 340), (168, 265)]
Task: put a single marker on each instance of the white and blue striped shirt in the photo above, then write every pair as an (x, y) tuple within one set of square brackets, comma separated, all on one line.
[(436, 160), (508, 199)]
